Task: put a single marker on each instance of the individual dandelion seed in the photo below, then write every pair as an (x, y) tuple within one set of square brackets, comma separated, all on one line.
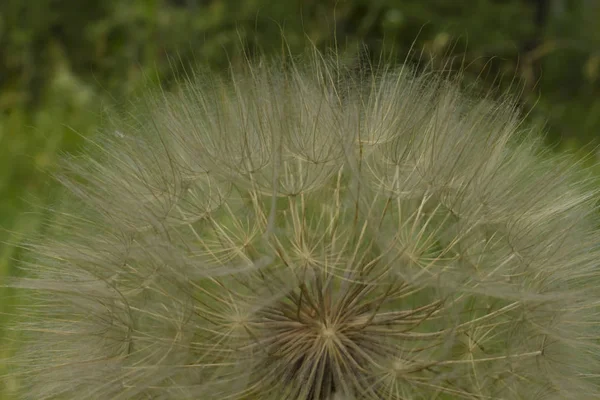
[(299, 232)]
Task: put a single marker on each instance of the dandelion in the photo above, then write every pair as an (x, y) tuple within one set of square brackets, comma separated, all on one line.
[(297, 231)]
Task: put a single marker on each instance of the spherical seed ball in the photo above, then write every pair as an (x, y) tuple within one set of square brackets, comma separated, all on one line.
[(299, 232)]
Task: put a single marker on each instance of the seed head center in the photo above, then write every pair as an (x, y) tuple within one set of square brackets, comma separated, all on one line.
[(328, 331)]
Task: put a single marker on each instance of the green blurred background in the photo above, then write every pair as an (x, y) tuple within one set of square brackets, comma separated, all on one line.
[(63, 61)]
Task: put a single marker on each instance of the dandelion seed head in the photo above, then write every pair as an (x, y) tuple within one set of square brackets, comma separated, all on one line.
[(299, 232)]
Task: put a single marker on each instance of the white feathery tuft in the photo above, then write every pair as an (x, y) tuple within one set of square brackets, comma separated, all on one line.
[(302, 232)]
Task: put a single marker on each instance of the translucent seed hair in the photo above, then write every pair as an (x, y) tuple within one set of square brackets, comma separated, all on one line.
[(299, 230)]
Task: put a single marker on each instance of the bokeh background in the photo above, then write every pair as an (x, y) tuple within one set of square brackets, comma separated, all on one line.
[(63, 61)]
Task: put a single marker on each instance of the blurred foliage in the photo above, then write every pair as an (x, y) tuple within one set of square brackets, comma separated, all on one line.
[(105, 47), (63, 61)]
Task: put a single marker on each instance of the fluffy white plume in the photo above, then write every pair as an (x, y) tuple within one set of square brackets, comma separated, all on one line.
[(299, 231)]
